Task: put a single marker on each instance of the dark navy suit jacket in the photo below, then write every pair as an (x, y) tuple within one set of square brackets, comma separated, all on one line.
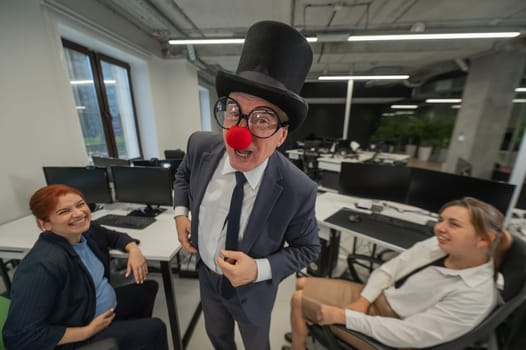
[(283, 212), (53, 290)]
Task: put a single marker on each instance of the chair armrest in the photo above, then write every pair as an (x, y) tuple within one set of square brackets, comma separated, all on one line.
[(105, 344), (352, 259), (375, 344)]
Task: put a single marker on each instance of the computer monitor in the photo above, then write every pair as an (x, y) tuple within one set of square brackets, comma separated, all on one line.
[(144, 185), (463, 167), (521, 201), (91, 181), (430, 190), (172, 164), (106, 162), (375, 181)]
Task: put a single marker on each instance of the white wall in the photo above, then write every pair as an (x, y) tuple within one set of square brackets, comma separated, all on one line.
[(175, 94), (38, 122)]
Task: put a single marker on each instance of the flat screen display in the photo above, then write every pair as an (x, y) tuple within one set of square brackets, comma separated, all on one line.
[(521, 202), (430, 190), (148, 185), (375, 181), (91, 181)]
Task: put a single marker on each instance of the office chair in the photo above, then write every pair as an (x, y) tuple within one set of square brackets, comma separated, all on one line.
[(310, 160), (105, 344), (506, 320), (174, 154)]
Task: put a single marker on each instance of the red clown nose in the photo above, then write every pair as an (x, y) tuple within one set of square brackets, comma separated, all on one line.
[(238, 137)]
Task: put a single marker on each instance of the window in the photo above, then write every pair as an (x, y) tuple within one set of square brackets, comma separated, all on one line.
[(104, 102)]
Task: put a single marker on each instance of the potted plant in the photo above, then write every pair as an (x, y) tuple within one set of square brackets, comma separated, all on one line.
[(425, 129)]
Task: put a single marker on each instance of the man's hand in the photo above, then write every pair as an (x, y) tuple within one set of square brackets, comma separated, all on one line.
[(183, 225), (239, 268), (136, 263)]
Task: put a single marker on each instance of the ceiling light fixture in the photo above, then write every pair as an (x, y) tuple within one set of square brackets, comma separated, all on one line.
[(217, 41), (206, 41), (436, 36), (404, 106), (519, 100), (444, 100), (364, 77), (521, 89)]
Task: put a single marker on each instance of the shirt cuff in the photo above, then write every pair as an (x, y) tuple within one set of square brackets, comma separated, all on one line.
[(354, 320), (264, 271), (180, 211)]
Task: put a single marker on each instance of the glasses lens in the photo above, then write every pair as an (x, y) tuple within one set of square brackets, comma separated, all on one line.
[(263, 122), (226, 112)]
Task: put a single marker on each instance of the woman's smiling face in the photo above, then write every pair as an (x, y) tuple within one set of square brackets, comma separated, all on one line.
[(70, 218)]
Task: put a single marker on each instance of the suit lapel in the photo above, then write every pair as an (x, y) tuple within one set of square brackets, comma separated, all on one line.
[(268, 194)]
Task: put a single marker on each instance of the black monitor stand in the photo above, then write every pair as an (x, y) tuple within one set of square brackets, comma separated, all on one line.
[(148, 210), (93, 207)]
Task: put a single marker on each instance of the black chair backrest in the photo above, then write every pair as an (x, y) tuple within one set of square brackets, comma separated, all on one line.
[(174, 154), (513, 295), (512, 269)]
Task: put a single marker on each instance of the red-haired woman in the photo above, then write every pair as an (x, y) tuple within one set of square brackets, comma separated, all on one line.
[(61, 297), (433, 292)]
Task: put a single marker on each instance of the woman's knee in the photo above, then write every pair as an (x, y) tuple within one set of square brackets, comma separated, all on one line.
[(300, 283), (296, 299)]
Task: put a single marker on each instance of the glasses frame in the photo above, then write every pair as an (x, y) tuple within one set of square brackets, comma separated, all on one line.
[(242, 116)]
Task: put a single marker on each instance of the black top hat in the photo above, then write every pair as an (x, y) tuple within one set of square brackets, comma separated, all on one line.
[(274, 62)]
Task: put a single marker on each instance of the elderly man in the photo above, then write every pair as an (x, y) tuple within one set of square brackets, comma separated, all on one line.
[(246, 199)]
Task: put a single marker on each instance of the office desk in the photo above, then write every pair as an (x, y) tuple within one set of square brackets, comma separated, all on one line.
[(328, 204), (334, 163), (159, 243)]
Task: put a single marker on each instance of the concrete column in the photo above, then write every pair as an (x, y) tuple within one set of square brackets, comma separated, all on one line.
[(486, 110)]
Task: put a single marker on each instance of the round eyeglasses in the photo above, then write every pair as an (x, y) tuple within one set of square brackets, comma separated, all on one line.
[(262, 122)]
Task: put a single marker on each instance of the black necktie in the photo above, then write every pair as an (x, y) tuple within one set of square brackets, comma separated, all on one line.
[(232, 229)]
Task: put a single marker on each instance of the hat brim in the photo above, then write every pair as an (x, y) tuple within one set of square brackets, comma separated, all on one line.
[(292, 104)]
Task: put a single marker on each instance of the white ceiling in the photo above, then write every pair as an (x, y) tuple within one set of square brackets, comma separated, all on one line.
[(161, 20)]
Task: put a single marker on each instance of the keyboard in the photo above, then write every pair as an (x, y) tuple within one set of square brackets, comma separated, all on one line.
[(126, 221), (404, 224), (397, 232)]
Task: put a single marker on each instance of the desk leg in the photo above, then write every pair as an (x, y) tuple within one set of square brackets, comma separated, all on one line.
[(5, 277), (171, 305)]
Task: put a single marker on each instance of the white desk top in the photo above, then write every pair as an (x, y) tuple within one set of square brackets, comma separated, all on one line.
[(334, 163), (329, 203), (158, 241)]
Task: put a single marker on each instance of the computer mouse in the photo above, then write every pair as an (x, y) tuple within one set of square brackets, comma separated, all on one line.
[(355, 218)]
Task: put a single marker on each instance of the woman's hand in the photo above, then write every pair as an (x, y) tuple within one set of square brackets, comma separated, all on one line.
[(99, 323), (360, 305), (136, 263), (328, 314), (183, 225)]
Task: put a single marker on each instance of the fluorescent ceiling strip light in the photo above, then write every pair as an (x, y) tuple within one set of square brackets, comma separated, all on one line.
[(444, 100), (521, 89), (80, 107), (455, 106), (437, 36), (519, 100), (206, 41), (311, 39), (364, 77), (404, 106)]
